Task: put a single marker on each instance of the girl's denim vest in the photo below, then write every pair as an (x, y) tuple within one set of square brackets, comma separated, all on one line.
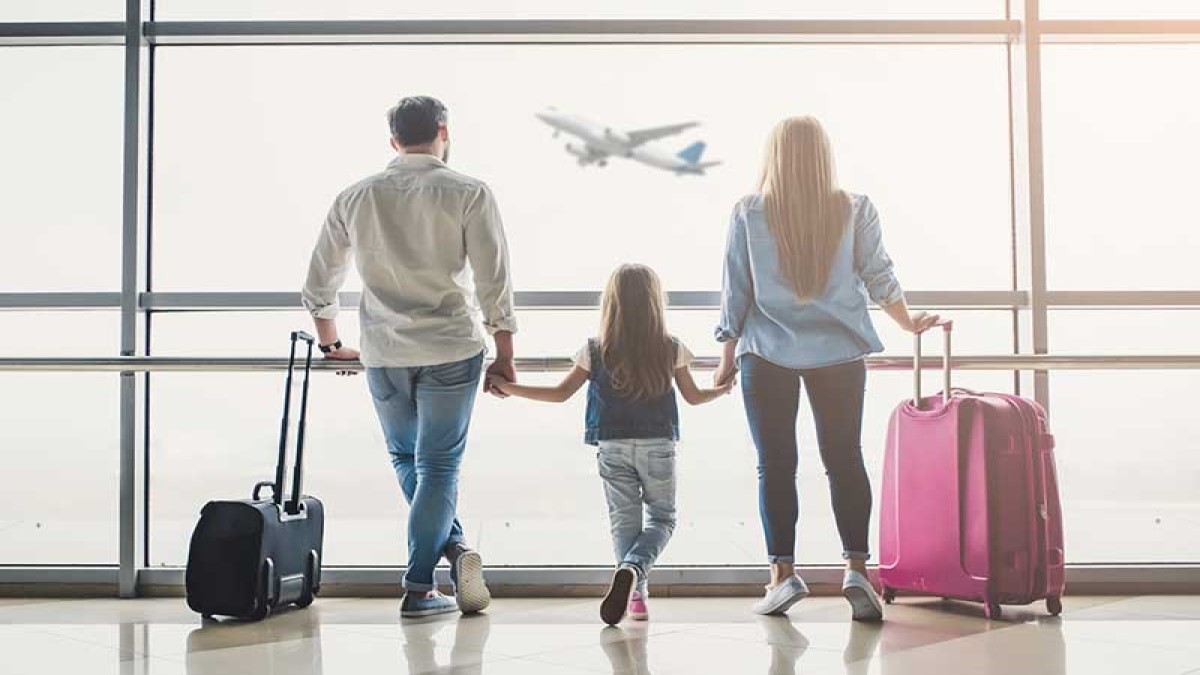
[(611, 416)]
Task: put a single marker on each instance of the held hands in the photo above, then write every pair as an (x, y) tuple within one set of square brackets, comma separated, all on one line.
[(725, 376), (497, 386), (501, 372)]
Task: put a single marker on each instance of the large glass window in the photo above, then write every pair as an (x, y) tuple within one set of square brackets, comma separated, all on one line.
[(1121, 149), (58, 443), (527, 475), (60, 165), (62, 10), (540, 9), (1127, 460), (253, 143)]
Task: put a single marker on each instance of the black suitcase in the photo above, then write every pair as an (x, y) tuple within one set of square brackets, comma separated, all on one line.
[(252, 556)]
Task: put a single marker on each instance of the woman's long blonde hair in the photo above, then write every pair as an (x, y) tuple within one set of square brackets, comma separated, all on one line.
[(805, 209), (634, 344)]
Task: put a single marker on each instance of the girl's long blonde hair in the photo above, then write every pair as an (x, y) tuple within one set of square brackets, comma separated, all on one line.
[(805, 209), (634, 344)]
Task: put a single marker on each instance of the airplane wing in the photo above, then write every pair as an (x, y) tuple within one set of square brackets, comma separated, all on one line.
[(640, 136)]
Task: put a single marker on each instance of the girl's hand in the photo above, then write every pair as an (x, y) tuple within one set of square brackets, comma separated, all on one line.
[(497, 383), (726, 375)]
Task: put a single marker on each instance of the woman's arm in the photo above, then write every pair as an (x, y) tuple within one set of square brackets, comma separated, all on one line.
[(555, 394), (875, 268), (693, 394), (737, 287)]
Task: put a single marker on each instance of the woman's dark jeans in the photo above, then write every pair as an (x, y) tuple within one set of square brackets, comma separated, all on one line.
[(772, 396)]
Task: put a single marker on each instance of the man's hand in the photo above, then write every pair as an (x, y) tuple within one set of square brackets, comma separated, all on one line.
[(500, 369), (344, 354)]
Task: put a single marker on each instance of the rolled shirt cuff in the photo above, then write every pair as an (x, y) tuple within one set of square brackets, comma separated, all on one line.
[(507, 324), (322, 311), (890, 295), (726, 334)]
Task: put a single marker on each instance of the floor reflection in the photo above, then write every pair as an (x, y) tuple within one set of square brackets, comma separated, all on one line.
[(470, 637), (272, 638), (625, 649)]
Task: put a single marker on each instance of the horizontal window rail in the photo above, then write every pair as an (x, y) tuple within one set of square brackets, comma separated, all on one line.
[(271, 300), (62, 33), (1119, 31), (131, 364), (526, 31), (532, 580), (557, 300), (589, 31)]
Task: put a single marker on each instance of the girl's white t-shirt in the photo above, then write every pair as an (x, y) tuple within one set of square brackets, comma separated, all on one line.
[(683, 357)]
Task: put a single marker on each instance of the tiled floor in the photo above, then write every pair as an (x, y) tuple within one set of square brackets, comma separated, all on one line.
[(1129, 635)]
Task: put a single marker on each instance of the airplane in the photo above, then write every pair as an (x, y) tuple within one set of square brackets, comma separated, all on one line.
[(599, 143)]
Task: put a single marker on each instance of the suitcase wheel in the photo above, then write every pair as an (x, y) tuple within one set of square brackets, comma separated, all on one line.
[(889, 595), (261, 610), (1054, 605), (992, 610)]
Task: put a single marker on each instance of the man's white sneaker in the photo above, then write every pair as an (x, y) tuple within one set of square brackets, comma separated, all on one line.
[(781, 598), (864, 602)]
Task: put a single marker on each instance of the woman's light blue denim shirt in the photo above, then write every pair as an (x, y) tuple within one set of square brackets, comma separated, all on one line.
[(759, 307)]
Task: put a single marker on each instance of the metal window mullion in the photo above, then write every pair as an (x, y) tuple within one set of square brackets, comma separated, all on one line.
[(131, 276), (1025, 96)]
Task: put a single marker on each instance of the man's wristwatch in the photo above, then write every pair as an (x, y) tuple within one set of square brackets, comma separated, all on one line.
[(325, 349)]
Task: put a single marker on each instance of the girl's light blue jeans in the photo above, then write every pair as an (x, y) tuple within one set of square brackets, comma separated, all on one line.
[(639, 484)]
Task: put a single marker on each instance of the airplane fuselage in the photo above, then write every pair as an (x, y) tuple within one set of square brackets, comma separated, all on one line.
[(598, 143)]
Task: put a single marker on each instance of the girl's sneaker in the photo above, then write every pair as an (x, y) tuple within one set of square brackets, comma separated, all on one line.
[(616, 601), (637, 607)]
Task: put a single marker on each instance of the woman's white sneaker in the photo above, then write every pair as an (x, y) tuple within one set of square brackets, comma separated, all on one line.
[(780, 598), (864, 602)]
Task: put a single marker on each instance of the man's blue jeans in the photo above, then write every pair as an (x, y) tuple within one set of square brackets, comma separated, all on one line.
[(425, 412)]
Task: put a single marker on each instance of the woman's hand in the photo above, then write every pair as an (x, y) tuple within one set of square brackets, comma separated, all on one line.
[(919, 322), (726, 375)]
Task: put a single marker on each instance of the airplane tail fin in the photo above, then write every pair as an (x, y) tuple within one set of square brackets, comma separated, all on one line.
[(692, 153)]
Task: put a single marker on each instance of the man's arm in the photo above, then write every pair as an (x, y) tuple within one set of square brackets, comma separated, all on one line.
[(326, 273), (487, 251)]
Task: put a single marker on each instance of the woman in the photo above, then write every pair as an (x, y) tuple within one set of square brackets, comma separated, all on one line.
[(802, 259)]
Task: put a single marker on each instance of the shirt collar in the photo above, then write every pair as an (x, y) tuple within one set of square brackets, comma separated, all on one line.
[(415, 159)]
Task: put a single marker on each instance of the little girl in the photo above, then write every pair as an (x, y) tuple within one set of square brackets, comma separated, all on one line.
[(632, 417)]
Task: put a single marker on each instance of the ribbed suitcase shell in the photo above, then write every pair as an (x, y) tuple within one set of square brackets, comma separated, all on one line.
[(970, 504)]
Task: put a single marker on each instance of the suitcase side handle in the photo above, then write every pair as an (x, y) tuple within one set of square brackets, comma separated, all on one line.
[(947, 328), (259, 486)]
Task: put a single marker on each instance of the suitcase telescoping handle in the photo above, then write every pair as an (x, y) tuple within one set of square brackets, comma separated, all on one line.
[(292, 506), (947, 328)]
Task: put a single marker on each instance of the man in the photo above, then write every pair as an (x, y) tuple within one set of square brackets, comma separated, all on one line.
[(421, 233)]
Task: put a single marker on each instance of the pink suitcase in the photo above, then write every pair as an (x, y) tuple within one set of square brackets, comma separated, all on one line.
[(970, 499)]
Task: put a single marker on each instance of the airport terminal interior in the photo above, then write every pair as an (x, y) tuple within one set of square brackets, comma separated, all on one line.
[(208, 208)]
